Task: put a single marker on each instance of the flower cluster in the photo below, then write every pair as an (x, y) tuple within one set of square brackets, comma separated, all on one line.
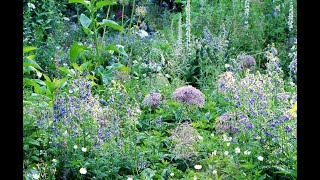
[(189, 95), (246, 12), (152, 100), (141, 11), (226, 82), (290, 17), (185, 138), (232, 123)]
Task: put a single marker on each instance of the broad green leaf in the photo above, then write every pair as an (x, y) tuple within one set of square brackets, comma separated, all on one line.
[(46, 77), (87, 31), (58, 83), (28, 48), (30, 62), (75, 50), (83, 66), (91, 77), (85, 21), (34, 142), (32, 83), (66, 70), (35, 158), (32, 56), (105, 3), (105, 75), (75, 66), (112, 24), (40, 82)]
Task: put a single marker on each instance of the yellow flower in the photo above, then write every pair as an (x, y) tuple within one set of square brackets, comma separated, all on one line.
[(294, 108)]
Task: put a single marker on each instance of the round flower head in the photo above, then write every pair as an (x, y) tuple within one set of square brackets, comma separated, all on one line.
[(141, 11), (83, 171), (152, 100), (189, 95), (248, 62)]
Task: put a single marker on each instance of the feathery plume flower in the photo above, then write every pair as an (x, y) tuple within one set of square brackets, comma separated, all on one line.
[(152, 100), (189, 95)]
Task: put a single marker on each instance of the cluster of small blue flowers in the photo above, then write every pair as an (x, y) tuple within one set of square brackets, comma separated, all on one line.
[(219, 43), (262, 98)]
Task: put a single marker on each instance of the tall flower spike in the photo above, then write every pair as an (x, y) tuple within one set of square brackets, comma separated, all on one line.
[(188, 28)]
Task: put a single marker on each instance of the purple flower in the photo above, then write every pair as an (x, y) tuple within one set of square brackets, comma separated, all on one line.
[(152, 100), (189, 95)]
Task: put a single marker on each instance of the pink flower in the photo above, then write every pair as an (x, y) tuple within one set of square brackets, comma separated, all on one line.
[(152, 99)]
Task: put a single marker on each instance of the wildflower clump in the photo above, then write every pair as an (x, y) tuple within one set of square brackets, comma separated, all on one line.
[(189, 95), (226, 82), (152, 100), (185, 138)]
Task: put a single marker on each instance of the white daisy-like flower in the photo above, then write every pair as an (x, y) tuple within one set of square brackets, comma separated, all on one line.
[(226, 153), (84, 149), (75, 147), (260, 158), (171, 174), (237, 150), (36, 176), (197, 166), (129, 178), (212, 135), (214, 172), (214, 152), (246, 152), (83, 171), (228, 144), (39, 74), (54, 160)]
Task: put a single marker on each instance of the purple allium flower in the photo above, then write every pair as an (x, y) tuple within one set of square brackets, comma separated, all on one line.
[(189, 95), (152, 100)]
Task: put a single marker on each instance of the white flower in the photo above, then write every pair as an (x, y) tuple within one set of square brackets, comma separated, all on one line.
[(226, 153), (83, 171), (214, 172), (260, 158), (212, 134), (197, 166), (171, 174), (75, 147), (35, 176), (142, 33), (237, 150), (247, 152), (129, 178), (194, 178), (200, 137), (54, 160), (227, 65), (30, 5), (39, 74), (214, 152), (84, 149), (66, 19), (111, 52), (228, 144)]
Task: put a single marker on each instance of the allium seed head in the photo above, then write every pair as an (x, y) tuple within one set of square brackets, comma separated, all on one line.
[(248, 62), (152, 99)]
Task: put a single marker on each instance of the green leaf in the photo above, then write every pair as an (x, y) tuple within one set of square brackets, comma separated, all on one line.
[(91, 77), (75, 50), (117, 48), (28, 48), (66, 70), (32, 56), (105, 75), (35, 158), (34, 142), (58, 83), (85, 21), (83, 66), (111, 24), (105, 3), (40, 82), (46, 77), (85, 3), (30, 62)]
